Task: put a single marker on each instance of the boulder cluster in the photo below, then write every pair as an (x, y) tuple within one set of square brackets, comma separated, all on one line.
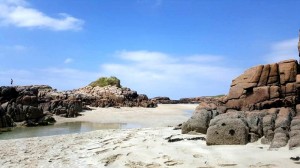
[(113, 96), (263, 103), (35, 105), (21, 104)]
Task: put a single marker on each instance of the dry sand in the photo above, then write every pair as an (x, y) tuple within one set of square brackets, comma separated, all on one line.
[(163, 115), (146, 147)]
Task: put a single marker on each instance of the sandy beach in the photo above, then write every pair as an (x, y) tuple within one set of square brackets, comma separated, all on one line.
[(137, 148), (163, 115)]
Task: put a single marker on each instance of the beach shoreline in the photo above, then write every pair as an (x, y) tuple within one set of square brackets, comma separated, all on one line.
[(146, 147), (163, 115), (138, 147)]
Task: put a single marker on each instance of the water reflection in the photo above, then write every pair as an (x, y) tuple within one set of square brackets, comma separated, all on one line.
[(63, 128)]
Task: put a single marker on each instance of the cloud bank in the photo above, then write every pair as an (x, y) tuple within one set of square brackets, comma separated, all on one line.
[(160, 74), (148, 72), (283, 50), (19, 13)]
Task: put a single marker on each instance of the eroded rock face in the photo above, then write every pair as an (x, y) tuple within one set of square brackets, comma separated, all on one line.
[(20, 104), (278, 86), (263, 103), (265, 86), (111, 96), (34, 105)]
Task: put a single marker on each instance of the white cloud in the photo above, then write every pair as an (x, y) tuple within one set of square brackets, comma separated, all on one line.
[(68, 60), (204, 58), (283, 50), (20, 14), (151, 73), (144, 56), (159, 74)]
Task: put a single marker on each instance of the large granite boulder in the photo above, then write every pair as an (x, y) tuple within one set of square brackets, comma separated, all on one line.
[(199, 122), (205, 111), (227, 131)]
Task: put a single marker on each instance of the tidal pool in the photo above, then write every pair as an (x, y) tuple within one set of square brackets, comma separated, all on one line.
[(85, 126), (62, 128)]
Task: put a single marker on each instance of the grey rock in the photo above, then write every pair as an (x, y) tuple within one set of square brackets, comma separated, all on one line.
[(198, 122), (227, 131)]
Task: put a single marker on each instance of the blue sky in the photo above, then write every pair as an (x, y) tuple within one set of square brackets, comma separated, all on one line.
[(175, 48)]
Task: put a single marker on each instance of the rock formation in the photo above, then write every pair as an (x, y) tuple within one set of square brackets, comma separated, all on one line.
[(34, 105), (113, 96), (265, 86), (192, 100), (262, 103), (21, 104)]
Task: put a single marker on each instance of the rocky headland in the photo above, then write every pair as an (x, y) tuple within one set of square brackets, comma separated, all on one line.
[(263, 103), (36, 104)]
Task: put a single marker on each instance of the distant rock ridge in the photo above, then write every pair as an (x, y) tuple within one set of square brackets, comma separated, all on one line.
[(192, 100), (263, 102)]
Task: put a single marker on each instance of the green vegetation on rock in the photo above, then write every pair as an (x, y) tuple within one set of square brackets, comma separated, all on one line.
[(105, 81)]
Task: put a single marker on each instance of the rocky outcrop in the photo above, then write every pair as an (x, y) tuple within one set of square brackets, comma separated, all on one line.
[(34, 105), (265, 86), (20, 104), (262, 103), (112, 96), (164, 100)]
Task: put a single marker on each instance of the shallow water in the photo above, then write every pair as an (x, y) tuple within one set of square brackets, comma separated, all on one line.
[(62, 128), (68, 128)]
